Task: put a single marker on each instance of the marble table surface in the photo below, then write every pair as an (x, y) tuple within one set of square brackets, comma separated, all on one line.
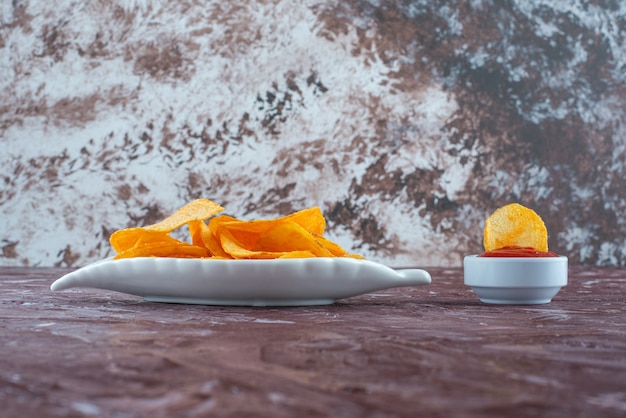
[(425, 351)]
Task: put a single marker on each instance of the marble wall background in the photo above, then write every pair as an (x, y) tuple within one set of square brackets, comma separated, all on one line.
[(407, 122)]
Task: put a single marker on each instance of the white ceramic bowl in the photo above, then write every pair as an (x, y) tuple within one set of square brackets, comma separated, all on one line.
[(515, 280)]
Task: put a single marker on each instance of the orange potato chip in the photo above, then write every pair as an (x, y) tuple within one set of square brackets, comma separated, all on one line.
[(298, 254), (515, 225), (214, 223), (288, 236), (202, 236), (246, 238), (195, 232), (196, 210), (310, 219), (247, 233), (334, 248), (235, 250), (165, 249), (357, 256), (123, 239)]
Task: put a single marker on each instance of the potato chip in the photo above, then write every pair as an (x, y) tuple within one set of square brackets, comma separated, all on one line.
[(214, 223), (517, 226), (298, 254), (287, 236), (235, 250), (311, 219), (124, 239), (247, 233), (165, 249), (201, 235), (245, 237), (195, 232), (333, 248), (196, 210)]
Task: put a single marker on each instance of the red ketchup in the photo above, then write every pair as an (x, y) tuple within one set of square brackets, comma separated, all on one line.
[(515, 251)]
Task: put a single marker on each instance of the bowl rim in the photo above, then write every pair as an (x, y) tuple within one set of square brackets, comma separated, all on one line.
[(515, 272), (521, 259)]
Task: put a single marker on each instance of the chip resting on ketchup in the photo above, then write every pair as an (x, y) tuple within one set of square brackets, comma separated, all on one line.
[(515, 231)]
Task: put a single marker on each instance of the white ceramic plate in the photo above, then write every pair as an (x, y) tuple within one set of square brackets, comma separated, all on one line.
[(288, 282)]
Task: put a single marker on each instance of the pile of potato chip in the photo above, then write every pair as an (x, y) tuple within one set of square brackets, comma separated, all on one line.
[(298, 235)]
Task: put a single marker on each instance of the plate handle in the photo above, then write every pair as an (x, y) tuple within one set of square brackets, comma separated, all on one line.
[(415, 276)]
